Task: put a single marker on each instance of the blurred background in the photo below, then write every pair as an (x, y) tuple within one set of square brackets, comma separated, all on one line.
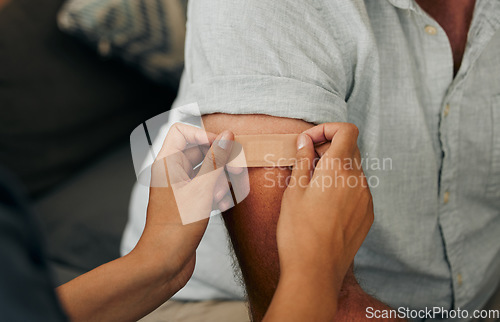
[(76, 77)]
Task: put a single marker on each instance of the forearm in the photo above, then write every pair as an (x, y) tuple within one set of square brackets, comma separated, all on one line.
[(163, 260), (125, 289)]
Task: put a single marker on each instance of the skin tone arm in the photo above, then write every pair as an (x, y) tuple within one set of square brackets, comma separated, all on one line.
[(163, 261), (325, 220), (252, 224), (130, 287)]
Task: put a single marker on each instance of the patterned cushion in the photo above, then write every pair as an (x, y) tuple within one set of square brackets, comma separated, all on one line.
[(146, 34)]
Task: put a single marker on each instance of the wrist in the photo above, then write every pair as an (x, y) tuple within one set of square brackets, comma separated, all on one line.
[(165, 252), (320, 282), (307, 273), (316, 294), (148, 262), (153, 256)]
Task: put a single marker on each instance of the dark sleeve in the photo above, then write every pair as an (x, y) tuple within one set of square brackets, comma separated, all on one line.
[(26, 288)]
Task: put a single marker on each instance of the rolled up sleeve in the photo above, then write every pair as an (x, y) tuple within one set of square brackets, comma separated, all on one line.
[(278, 58)]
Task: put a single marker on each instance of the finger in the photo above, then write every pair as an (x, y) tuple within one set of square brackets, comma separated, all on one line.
[(211, 178), (178, 166), (203, 152), (221, 188), (180, 135), (234, 170), (236, 153), (304, 161), (341, 153), (192, 134), (195, 154), (219, 152), (346, 134), (322, 148), (344, 142), (179, 157), (159, 174), (323, 132), (226, 203)]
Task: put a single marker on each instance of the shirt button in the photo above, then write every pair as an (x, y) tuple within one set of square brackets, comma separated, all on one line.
[(446, 110), (430, 30), (446, 197), (459, 279)]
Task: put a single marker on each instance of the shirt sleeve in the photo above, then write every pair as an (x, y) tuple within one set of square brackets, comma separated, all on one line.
[(295, 59)]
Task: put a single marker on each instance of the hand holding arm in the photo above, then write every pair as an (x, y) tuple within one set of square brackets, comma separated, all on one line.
[(322, 224)]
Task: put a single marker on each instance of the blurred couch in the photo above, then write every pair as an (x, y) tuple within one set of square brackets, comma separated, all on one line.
[(65, 120)]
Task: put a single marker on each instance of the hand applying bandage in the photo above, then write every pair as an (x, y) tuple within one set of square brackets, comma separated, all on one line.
[(132, 286), (324, 219), (319, 230), (182, 195)]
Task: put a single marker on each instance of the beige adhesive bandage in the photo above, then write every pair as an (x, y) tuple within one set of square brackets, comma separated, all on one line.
[(267, 150)]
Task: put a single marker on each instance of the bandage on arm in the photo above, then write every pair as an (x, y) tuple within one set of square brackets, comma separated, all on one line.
[(265, 150), (252, 223)]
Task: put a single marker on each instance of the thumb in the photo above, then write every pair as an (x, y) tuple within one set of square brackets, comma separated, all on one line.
[(304, 160), (213, 164), (219, 153)]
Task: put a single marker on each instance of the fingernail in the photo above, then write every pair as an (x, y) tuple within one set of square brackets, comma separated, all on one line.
[(301, 141), (224, 140)]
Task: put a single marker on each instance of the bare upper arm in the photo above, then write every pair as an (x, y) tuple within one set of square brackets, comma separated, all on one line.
[(253, 124), (252, 223)]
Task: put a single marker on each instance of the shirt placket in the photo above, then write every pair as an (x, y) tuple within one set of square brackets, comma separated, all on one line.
[(452, 224), (449, 218), (439, 76)]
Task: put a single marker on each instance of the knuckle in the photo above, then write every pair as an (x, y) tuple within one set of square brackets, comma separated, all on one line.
[(176, 126), (218, 158), (351, 129)]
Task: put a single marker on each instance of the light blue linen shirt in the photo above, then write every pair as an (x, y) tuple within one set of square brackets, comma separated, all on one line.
[(386, 66)]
